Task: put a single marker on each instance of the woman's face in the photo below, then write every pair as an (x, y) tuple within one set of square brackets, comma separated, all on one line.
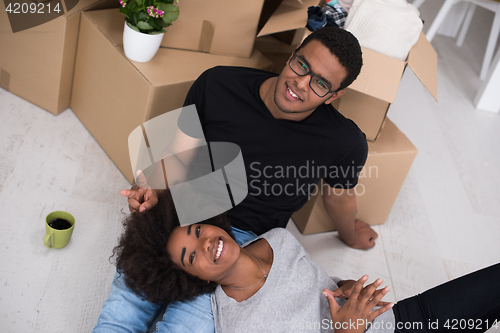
[(204, 251)]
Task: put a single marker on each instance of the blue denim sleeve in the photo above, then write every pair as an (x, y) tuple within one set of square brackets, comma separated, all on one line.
[(125, 312)]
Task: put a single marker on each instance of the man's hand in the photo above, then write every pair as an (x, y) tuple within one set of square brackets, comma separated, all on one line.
[(140, 197), (358, 308), (346, 288), (340, 204), (365, 236)]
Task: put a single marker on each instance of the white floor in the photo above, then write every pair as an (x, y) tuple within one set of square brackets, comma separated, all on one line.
[(445, 223)]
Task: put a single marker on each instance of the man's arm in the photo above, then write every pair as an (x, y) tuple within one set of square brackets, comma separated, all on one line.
[(172, 169), (340, 204), (141, 197)]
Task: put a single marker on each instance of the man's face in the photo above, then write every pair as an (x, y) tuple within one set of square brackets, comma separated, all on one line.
[(293, 94)]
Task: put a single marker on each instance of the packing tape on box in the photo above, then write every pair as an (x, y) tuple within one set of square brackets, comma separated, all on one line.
[(206, 36), (4, 79), (205, 178)]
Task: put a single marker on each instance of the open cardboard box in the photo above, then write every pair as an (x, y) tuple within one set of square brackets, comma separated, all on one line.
[(368, 98), (113, 95), (388, 163), (37, 64)]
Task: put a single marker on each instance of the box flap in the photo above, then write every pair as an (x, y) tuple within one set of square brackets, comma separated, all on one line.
[(380, 76), (423, 62), (290, 15)]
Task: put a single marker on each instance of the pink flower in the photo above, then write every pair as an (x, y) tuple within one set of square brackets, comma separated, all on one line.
[(154, 12), (151, 11), (123, 3)]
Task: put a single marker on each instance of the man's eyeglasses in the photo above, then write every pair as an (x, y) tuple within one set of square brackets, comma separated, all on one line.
[(319, 86)]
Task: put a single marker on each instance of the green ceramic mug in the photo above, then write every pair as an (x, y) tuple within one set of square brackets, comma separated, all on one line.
[(59, 234)]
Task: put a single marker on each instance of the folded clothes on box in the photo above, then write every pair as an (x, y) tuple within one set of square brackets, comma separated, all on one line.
[(390, 27)]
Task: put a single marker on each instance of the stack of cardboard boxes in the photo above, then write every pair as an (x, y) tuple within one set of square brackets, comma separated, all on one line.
[(77, 60), (37, 64)]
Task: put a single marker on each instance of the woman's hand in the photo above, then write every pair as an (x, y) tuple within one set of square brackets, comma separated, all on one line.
[(357, 312)]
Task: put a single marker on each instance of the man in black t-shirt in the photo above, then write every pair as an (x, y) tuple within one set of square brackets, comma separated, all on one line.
[(284, 159), (289, 134)]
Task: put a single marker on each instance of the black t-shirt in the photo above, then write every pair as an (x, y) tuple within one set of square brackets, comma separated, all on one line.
[(284, 159)]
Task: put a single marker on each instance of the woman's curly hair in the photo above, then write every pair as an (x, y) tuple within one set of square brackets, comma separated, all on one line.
[(142, 258)]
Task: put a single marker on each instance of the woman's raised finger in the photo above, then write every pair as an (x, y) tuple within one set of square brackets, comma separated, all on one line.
[(358, 286), (369, 290)]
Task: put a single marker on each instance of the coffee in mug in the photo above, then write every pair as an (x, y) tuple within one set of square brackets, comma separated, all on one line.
[(60, 224), (59, 227)]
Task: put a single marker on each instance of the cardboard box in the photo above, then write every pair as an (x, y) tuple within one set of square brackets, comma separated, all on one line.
[(368, 98), (231, 26), (112, 95), (37, 64), (388, 163), (225, 27)]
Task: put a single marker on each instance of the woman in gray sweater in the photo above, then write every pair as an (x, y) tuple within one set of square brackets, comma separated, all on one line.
[(270, 284)]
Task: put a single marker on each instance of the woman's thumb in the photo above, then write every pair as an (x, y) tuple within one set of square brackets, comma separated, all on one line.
[(331, 299)]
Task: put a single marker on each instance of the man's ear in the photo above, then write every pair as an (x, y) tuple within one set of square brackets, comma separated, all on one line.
[(335, 96)]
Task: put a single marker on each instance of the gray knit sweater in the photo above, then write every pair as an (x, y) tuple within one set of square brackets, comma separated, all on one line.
[(290, 300)]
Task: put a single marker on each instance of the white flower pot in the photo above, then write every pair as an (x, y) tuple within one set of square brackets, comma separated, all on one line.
[(138, 46)]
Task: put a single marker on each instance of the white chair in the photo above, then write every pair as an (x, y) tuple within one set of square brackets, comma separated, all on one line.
[(492, 5), (487, 98)]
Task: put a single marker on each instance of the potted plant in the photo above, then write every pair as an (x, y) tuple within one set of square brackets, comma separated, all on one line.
[(145, 24)]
